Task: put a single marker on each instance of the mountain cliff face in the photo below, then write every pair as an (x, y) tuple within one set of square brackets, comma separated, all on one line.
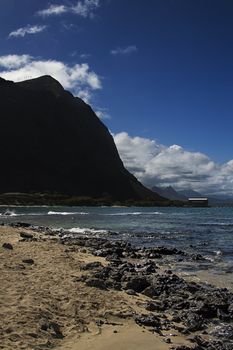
[(51, 141)]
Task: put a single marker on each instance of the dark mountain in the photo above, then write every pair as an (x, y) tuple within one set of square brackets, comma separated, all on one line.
[(53, 142), (169, 192)]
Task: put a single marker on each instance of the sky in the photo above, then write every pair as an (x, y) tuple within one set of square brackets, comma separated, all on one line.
[(158, 73)]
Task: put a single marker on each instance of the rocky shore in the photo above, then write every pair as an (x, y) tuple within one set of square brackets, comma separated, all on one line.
[(74, 292)]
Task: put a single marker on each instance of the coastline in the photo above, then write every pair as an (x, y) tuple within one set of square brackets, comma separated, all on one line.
[(89, 293)]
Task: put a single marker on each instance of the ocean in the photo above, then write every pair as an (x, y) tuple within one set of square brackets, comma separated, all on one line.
[(205, 231)]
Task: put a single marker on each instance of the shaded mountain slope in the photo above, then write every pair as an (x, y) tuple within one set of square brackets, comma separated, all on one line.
[(54, 142)]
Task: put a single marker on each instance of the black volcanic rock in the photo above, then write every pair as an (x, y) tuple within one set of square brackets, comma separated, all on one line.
[(53, 142)]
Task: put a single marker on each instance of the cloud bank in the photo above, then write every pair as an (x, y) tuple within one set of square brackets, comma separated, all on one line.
[(84, 8), (156, 164), (21, 32), (78, 78)]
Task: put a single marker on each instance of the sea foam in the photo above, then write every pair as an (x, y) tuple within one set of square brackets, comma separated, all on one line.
[(66, 213), (137, 213)]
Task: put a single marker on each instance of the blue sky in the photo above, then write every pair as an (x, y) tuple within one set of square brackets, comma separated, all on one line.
[(158, 72)]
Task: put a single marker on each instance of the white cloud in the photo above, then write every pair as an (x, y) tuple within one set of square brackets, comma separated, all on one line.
[(83, 8), (103, 114), (21, 32), (85, 95), (53, 10), (14, 61), (77, 78), (124, 50), (156, 164)]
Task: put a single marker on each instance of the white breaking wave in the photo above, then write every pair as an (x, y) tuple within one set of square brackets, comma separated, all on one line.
[(154, 213), (66, 213), (217, 256), (134, 213), (87, 231), (12, 213), (218, 252), (9, 213), (84, 231), (217, 224)]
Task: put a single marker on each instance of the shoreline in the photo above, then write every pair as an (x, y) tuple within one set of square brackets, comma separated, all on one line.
[(89, 293)]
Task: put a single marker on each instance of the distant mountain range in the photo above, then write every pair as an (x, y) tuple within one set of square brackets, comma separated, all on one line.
[(189, 193), (53, 142), (170, 193), (183, 195)]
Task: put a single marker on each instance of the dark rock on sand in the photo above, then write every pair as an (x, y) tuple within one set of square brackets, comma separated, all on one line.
[(92, 266), (211, 302), (54, 327), (102, 252), (7, 246), (28, 261), (213, 344), (223, 331), (146, 267), (166, 251), (154, 306), (137, 283), (197, 257), (167, 283), (57, 330), (130, 291), (110, 283), (96, 283), (192, 322), (151, 292), (103, 273), (148, 321), (26, 235), (223, 315), (167, 340), (20, 224), (184, 347)]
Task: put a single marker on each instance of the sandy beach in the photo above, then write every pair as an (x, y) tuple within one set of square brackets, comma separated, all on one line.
[(47, 301)]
